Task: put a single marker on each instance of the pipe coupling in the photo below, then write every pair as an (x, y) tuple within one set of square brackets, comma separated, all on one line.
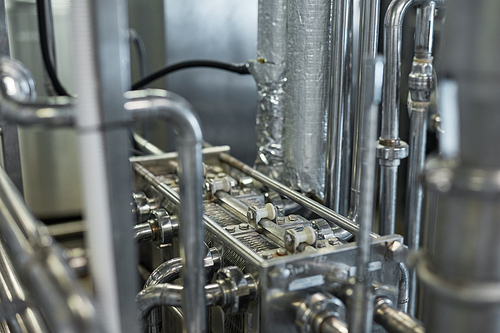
[(238, 289), (421, 80), (391, 153), (162, 228), (316, 309)]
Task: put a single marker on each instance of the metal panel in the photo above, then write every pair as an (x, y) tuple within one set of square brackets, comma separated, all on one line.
[(221, 30)]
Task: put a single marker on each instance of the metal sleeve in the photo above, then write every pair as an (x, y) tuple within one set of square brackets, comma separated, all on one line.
[(306, 90)]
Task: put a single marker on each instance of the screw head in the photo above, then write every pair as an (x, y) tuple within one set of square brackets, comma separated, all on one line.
[(244, 226), (281, 252), (292, 218), (267, 255), (230, 229)]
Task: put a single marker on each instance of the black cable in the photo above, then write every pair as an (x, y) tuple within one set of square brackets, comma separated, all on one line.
[(44, 45), (236, 68)]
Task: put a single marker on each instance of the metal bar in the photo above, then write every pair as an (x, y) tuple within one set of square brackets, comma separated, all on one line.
[(360, 319), (308, 203), (338, 102), (101, 58), (173, 108)]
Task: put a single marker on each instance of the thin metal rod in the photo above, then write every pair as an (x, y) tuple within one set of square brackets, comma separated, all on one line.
[(360, 320), (173, 108), (308, 203)]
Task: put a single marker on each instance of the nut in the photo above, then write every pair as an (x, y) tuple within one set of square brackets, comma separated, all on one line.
[(230, 229)]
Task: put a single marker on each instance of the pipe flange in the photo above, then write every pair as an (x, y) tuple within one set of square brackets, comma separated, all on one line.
[(238, 289), (317, 307), (161, 227), (392, 153)]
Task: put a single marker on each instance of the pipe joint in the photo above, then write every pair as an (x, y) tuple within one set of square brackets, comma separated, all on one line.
[(316, 310), (391, 153), (238, 289), (392, 320)]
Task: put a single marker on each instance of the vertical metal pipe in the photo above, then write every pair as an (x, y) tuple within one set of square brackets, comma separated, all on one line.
[(421, 83), (368, 43), (171, 107), (101, 63), (391, 149), (361, 313), (338, 103)]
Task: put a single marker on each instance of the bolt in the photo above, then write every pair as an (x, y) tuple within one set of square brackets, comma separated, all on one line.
[(280, 220), (244, 226), (267, 255), (221, 175), (334, 241), (230, 229), (321, 244), (292, 218), (281, 252)]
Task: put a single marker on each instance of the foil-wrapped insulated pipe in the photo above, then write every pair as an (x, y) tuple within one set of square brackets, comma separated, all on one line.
[(269, 74), (306, 94)]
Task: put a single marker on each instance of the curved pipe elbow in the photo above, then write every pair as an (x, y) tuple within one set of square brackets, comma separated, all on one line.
[(168, 106), (396, 12), (56, 112)]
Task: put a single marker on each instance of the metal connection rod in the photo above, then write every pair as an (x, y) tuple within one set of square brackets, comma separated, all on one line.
[(421, 84), (360, 320), (173, 108), (308, 203), (339, 102), (368, 43)]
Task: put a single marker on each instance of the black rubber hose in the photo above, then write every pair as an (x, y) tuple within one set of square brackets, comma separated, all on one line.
[(44, 45), (235, 68)]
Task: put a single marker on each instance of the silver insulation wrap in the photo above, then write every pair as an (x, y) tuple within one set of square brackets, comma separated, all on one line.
[(269, 73), (306, 91)]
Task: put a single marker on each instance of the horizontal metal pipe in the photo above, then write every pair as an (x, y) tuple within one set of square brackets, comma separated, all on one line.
[(308, 203), (333, 325), (173, 108), (146, 146), (392, 320)]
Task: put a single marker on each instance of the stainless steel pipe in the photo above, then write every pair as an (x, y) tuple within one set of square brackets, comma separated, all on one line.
[(360, 319), (421, 84), (171, 107), (368, 43), (338, 103)]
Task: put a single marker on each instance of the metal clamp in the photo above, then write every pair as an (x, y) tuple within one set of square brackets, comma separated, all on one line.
[(161, 228)]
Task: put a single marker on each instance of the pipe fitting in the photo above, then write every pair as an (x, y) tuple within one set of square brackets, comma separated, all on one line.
[(392, 320), (392, 153), (316, 310), (237, 288)]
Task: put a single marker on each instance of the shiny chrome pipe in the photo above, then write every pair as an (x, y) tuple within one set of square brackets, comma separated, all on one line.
[(173, 108), (404, 285), (11, 291), (368, 43), (360, 320), (421, 84), (172, 295), (392, 320), (338, 104)]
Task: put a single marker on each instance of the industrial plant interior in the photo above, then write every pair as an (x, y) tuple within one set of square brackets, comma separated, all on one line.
[(254, 166)]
